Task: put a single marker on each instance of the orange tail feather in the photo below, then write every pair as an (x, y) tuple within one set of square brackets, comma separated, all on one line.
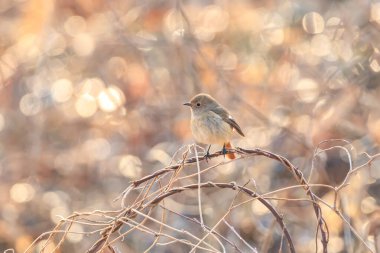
[(230, 155)]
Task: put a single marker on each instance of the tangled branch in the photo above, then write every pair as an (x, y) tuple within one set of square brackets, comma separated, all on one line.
[(152, 192)]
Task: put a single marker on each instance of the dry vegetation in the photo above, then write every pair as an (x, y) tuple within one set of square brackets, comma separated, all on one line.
[(91, 96)]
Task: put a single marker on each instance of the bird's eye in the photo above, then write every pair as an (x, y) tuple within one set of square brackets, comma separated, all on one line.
[(198, 104)]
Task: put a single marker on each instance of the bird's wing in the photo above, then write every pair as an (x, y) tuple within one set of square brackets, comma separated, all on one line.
[(228, 118), (235, 125)]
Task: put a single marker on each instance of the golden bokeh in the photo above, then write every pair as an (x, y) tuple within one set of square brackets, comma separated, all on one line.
[(92, 96), (62, 90), (86, 105), (110, 99), (313, 23), (22, 192)]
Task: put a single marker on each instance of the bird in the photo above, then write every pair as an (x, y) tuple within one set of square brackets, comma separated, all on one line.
[(211, 123)]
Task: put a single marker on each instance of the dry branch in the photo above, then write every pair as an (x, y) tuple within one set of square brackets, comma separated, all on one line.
[(151, 193), (232, 186), (296, 173)]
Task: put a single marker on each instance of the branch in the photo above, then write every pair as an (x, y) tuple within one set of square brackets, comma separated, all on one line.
[(245, 153), (235, 187)]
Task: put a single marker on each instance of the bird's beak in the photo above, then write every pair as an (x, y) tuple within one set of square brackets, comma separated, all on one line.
[(188, 104)]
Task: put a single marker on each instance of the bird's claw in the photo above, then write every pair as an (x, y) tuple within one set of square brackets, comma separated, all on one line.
[(224, 151), (207, 156)]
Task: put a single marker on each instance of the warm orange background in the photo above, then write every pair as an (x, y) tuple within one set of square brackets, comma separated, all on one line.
[(91, 96)]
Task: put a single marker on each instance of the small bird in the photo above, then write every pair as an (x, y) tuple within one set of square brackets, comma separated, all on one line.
[(211, 123)]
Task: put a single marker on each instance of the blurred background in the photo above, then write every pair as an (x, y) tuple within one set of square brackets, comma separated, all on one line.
[(91, 96)]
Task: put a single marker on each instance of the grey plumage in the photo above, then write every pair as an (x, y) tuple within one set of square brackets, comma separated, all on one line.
[(204, 104), (228, 118)]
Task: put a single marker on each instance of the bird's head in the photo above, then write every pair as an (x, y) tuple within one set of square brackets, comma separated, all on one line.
[(202, 102)]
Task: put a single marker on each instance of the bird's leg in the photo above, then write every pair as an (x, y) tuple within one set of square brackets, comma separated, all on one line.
[(224, 150), (207, 155)]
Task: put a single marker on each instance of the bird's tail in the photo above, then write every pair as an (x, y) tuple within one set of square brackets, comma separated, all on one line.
[(229, 155)]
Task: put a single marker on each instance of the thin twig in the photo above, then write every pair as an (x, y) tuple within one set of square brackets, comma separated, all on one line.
[(239, 236), (199, 189)]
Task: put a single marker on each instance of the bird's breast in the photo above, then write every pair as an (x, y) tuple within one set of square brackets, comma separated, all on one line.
[(210, 128)]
